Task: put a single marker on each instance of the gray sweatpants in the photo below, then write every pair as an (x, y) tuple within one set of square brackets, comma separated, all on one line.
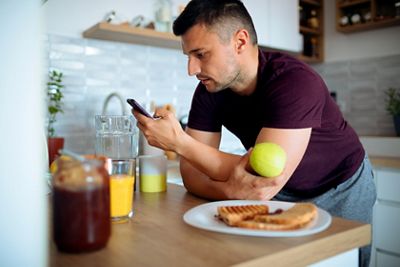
[(353, 199)]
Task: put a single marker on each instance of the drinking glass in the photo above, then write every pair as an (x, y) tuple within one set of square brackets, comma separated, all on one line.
[(122, 179), (152, 173)]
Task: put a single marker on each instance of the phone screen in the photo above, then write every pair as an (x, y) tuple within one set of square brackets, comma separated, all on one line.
[(136, 106)]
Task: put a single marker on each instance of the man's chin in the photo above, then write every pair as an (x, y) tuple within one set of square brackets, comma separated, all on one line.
[(212, 87), (208, 84)]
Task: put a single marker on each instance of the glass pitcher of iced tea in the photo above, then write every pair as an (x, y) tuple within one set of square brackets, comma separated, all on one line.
[(81, 205)]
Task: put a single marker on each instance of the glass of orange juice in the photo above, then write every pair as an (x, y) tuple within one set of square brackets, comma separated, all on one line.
[(122, 180)]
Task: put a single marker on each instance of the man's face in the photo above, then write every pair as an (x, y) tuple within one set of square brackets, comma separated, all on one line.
[(214, 63)]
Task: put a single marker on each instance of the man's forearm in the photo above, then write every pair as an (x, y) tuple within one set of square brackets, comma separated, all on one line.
[(215, 164), (200, 184)]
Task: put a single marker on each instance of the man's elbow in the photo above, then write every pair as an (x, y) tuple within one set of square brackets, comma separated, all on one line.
[(188, 184)]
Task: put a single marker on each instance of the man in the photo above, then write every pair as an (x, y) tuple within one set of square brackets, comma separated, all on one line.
[(260, 97)]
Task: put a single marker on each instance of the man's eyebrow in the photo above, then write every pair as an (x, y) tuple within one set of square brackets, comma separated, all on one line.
[(193, 51)]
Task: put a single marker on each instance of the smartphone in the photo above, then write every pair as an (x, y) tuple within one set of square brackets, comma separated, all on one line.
[(136, 106)]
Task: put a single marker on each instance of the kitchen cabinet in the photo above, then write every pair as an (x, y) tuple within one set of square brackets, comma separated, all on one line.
[(276, 23), (311, 19), (361, 15), (386, 219)]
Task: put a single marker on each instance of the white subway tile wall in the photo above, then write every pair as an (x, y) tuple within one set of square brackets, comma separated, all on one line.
[(93, 69)]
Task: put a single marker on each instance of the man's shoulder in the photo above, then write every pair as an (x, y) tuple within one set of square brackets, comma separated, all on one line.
[(278, 64), (280, 60)]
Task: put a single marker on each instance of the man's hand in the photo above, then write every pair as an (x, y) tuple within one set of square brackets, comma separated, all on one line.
[(164, 132), (242, 184)]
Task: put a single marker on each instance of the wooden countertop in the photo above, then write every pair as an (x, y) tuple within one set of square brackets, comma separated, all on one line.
[(385, 162), (158, 236)]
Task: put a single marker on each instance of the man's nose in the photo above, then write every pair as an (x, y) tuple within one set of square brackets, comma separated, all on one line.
[(193, 67)]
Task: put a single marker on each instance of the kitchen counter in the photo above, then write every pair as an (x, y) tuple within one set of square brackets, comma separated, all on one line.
[(158, 236), (385, 162)]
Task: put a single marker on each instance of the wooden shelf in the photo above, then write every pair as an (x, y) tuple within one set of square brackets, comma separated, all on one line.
[(374, 7), (128, 34), (304, 29), (310, 59), (369, 25), (345, 4), (311, 2)]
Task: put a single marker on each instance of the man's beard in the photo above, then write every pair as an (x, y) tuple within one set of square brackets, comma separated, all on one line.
[(231, 79)]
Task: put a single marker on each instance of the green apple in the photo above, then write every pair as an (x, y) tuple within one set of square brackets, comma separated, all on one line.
[(268, 159)]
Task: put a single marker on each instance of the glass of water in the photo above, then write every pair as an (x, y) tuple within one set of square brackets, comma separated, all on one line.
[(116, 136)]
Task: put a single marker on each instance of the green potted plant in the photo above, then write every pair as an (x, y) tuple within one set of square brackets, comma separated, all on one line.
[(54, 107), (393, 106)]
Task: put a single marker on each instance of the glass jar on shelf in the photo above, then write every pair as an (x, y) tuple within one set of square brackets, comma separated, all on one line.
[(163, 15), (355, 18)]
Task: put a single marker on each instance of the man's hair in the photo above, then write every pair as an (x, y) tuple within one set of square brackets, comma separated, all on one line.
[(224, 17)]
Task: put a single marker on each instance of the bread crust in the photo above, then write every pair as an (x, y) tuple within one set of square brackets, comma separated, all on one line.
[(270, 226)]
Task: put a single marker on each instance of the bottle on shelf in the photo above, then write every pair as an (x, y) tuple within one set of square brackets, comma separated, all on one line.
[(314, 47), (313, 21), (310, 47)]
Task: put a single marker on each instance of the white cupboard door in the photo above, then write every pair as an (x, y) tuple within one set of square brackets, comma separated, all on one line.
[(259, 12), (276, 23), (386, 228), (284, 25)]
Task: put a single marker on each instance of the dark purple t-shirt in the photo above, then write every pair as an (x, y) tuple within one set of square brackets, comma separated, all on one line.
[(289, 95)]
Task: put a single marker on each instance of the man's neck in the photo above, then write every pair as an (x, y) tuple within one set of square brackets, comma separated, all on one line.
[(247, 83)]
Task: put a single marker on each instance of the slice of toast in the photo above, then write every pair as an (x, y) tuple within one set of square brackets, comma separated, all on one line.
[(269, 226), (299, 214), (232, 215)]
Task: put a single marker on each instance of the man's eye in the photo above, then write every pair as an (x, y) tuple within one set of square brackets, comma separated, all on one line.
[(200, 55)]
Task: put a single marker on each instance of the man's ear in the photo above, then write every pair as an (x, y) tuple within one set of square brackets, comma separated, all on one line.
[(242, 40)]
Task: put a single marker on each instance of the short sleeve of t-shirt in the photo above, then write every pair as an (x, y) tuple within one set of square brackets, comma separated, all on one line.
[(293, 100)]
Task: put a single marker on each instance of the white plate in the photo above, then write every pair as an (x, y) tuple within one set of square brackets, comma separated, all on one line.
[(203, 217)]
